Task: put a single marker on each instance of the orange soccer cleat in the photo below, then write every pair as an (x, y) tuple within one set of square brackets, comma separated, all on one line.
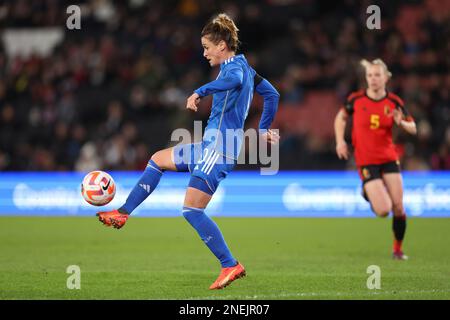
[(227, 276), (113, 218)]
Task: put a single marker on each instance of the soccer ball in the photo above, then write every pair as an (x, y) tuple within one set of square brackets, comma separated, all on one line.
[(98, 188)]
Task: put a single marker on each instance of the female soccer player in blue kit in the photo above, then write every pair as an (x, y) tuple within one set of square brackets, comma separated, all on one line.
[(209, 161)]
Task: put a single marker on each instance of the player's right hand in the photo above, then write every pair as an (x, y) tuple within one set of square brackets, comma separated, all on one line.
[(192, 102), (342, 150)]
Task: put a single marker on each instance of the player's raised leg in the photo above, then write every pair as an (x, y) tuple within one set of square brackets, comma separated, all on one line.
[(394, 185), (378, 197), (197, 198), (159, 162)]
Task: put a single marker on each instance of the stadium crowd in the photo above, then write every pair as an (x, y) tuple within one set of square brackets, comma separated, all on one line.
[(112, 92)]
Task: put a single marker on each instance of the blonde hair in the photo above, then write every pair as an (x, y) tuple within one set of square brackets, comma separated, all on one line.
[(366, 64), (220, 28)]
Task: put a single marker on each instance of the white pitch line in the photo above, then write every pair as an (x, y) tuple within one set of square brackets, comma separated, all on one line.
[(314, 294)]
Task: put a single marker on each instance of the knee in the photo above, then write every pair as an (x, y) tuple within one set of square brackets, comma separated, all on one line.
[(382, 210), (159, 158), (382, 213)]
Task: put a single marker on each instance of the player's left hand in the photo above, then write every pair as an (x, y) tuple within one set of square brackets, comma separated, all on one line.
[(398, 116), (271, 136), (192, 102)]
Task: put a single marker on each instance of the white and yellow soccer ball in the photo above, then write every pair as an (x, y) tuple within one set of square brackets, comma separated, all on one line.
[(98, 188)]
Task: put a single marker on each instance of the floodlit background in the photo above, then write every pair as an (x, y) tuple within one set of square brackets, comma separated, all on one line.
[(110, 94)]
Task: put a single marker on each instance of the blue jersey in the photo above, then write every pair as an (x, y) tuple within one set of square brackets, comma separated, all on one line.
[(232, 95)]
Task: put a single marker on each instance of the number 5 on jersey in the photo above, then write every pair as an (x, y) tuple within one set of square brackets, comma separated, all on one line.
[(374, 121)]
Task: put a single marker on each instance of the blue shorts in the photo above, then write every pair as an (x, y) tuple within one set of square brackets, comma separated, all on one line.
[(204, 163)]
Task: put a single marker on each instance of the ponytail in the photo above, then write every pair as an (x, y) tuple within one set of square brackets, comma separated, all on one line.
[(220, 28)]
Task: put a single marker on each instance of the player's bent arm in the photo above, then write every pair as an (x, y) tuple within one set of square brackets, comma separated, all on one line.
[(409, 126), (270, 107), (340, 121), (403, 119), (233, 78)]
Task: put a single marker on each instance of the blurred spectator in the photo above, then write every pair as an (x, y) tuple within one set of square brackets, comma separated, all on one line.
[(111, 93), (88, 160)]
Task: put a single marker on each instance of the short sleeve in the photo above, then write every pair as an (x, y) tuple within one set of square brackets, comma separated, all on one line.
[(400, 105), (349, 106)]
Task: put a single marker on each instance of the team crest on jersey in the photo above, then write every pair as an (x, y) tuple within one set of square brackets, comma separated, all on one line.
[(366, 173), (387, 110)]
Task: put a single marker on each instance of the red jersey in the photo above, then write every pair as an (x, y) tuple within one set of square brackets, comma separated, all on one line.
[(372, 126)]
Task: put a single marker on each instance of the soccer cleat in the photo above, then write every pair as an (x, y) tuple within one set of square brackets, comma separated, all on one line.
[(112, 218), (227, 276), (399, 255)]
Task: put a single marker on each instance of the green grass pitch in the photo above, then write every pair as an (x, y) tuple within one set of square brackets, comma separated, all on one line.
[(163, 258)]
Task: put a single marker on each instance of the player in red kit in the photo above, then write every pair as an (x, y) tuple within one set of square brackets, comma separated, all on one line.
[(374, 112)]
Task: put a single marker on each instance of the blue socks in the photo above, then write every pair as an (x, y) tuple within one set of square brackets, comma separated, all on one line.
[(145, 186), (207, 229), (210, 234)]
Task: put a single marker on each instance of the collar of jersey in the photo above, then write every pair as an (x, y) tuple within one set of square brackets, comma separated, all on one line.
[(377, 100), (239, 56)]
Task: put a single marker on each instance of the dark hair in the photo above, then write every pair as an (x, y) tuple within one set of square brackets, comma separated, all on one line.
[(223, 28)]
